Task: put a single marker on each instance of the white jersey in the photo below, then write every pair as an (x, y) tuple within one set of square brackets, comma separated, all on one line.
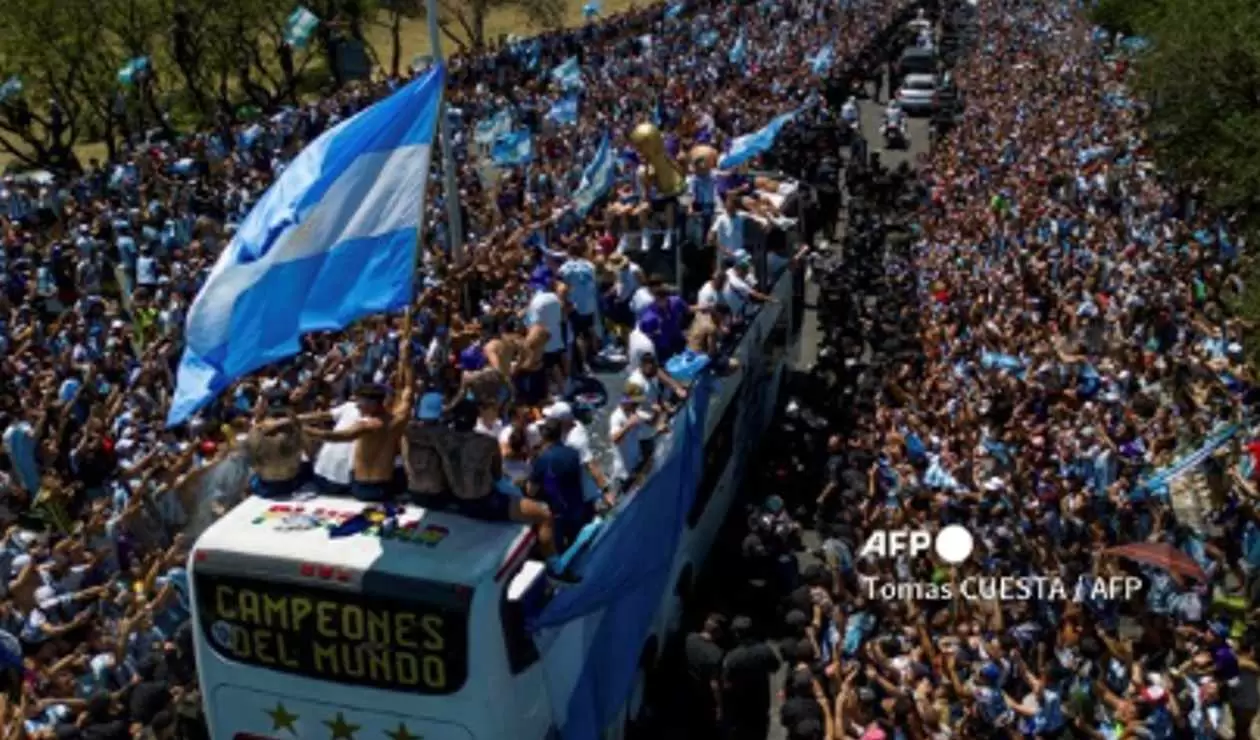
[(545, 310)]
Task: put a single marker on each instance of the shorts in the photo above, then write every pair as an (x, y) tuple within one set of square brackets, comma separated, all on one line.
[(278, 488), (553, 359), (531, 386), (493, 507), (619, 312), (373, 492), (581, 324)]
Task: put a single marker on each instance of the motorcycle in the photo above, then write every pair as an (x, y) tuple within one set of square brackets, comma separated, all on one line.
[(895, 135)]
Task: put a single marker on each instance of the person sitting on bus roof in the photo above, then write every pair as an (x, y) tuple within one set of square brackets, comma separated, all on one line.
[(275, 446), (378, 435)]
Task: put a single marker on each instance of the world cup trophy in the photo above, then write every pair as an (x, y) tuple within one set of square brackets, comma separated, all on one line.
[(666, 176)]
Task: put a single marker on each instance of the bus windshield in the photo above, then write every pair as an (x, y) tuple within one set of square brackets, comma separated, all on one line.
[(411, 637)]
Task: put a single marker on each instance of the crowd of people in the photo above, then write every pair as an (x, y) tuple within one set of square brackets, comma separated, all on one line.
[(97, 271), (1035, 342)]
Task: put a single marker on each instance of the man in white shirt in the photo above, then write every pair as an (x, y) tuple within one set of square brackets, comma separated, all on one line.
[(738, 278), (546, 311), (727, 232), (628, 278), (655, 382), (578, 273), (594, 485), (629, 428), (640, 343), (718, 290), (334, 462)]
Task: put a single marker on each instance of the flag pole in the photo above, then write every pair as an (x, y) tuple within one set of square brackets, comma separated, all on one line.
[(450, 180)]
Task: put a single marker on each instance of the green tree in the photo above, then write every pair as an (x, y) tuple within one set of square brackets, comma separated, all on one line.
[(54, 47), (1201, 75)]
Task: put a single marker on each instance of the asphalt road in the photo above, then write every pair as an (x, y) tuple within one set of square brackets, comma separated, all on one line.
[(811, 336)]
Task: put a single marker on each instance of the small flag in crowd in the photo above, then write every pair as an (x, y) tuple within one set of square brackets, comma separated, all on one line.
[(133, 70), (334, 239), (708, 39), (591, 9), (299, 28), (748, 146), (568, 75), (822, 61), (564, 111), (739, 52), (675, 9), (513, 149), (597, 178), (494, 127)]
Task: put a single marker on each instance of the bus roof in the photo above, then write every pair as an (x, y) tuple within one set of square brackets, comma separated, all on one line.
[(431, 545)]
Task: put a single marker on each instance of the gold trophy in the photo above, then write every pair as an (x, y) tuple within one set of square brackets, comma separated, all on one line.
[(667, 176)]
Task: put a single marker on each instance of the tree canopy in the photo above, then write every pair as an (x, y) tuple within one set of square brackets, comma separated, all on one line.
[(1201, 74), (66, 76)]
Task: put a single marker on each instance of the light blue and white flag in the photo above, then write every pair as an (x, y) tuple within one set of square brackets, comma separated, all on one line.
[(250, 136), (299, 28), (591, 9), (564, 111), (333, 240), (739, 51), (597, 178), (568, 75), (513, 149), (133, 70), (708, 39), (748, 146), (675, 9), (11, 88), (494, 127), (822, 61)]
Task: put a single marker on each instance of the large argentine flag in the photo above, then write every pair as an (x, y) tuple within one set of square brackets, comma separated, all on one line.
[(334, 239)]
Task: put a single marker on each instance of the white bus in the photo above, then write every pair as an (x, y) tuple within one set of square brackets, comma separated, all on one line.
[(420, 632)]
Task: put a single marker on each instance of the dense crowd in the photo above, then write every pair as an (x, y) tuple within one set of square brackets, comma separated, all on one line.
[(1048, 358), (98, 271)]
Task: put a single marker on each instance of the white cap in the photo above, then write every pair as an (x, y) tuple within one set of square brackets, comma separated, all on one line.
[(558, 411)]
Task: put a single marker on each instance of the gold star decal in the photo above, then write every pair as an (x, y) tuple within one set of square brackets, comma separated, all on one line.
[(341, 729), (402, 733), (281, 718)]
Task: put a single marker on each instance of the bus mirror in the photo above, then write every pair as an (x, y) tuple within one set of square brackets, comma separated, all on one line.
[(528, 586)]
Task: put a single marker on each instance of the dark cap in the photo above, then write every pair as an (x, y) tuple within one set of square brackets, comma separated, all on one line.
[(372, 392)]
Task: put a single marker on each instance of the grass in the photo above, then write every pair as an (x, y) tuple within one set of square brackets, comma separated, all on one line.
[(504, 19)]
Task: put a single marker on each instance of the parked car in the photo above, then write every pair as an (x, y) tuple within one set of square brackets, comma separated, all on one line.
[(917, 95)]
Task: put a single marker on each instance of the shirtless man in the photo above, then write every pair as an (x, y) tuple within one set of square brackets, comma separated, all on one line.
[(530, 372), (492, 383), (378, 435)]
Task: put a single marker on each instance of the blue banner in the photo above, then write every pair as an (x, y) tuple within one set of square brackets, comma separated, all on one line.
[(627, 575)]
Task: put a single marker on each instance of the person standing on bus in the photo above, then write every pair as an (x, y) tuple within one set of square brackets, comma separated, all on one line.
[(378, 435), (556, 478), (546, 310)]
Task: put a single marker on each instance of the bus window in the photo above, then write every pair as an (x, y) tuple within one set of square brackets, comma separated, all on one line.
[(717, 451), (413, 640)]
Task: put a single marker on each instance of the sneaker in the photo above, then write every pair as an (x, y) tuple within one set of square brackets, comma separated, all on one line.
[(669, 241), (646, 244)]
